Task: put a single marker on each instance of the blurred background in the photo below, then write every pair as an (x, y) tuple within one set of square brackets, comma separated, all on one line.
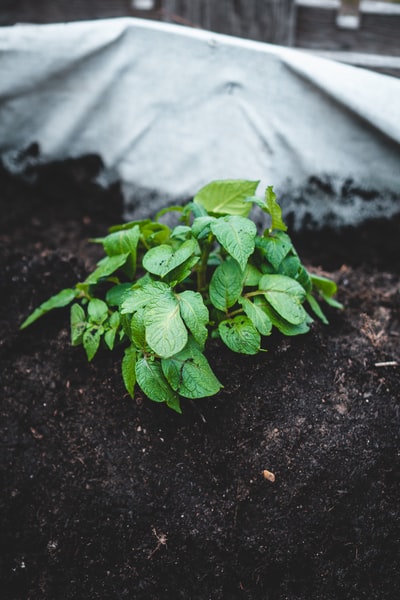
[(363, 33)]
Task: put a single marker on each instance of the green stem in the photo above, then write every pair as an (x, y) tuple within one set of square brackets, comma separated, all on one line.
[(202, 270)]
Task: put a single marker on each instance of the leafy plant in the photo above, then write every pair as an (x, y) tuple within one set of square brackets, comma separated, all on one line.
[(162, 291)]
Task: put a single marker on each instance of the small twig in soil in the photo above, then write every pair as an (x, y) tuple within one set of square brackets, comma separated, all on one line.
[(388, 363), (162, 541)]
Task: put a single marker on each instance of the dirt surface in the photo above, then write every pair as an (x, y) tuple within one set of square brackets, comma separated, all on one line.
[(105, 497)]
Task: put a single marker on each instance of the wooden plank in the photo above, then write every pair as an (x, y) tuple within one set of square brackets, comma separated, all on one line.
[(263, 20), (53, 11), (376, 29)]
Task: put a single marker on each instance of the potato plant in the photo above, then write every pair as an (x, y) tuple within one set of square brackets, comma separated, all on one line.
[(162, 291)]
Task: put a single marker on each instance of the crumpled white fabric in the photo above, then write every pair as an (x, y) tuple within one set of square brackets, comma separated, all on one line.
[(170, 108)]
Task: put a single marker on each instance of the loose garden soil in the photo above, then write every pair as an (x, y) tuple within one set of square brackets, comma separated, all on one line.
[(105, 497)]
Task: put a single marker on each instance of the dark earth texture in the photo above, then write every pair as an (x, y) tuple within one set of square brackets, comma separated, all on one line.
[(105, 497)]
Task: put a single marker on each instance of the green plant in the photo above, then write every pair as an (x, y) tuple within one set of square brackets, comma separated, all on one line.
[(162, 291)]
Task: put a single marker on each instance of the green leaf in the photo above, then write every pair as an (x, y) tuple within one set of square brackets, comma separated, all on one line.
[(323, 284), (166, 333), (163, 259), (156, 233), (251, 276), (116, 294), (110, 334), (273, 208), (274, 247), (257, 315), (290, 266), (125, 226), (78, 324), (227, 196), (281, 324), (226, 285), (168, 209), (138, 331), (189, 373), (326, 289), (286, 296), (240, 335), (183, 271), (151, 380), (128, 369), (57, 301), (195, 315), (317, 310), (181, 232), (106, 266), (237, 235), (202, 226), (138, 297), (174, 403), (97, 311), (91, 342), (122, 242)]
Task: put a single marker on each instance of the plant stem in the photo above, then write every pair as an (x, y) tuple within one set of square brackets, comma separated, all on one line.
[(202, 270)]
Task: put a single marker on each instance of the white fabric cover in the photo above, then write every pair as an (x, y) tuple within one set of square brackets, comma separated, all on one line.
[(170, 108)]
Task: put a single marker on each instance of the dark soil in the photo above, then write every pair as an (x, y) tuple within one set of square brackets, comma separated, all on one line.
[(105, 497)]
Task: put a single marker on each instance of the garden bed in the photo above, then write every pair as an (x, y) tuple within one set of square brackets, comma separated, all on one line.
[(108, 497)]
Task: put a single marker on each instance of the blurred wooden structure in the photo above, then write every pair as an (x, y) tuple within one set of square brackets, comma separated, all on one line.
[(365, 33)]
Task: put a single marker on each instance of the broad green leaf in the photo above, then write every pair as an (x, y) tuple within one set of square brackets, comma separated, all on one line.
[(326, 288), (174, 403), (57, 301), (91, 342), (163, 259), (317, 310), (166, 333), (138, 297), (281, 324), (138, 331), (183, 271), (78, 324), (128, 369), (106, 266), (121, 242), (226, 285), (251, 276), (237, 235), (290, 266), (189, 373), (116, 294), (181, 232), (227, 196), (257, 315), (156, 233), (113, 324), (151, 380), (274, 247), (124, 226), (97, 311), (109, 338), (202, 226), (240, 335), (195, 315), (304, 279), (168, 209), (323, 284), (274, 210), (286, 296)]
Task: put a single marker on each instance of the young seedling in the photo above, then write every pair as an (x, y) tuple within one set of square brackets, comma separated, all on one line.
[(162, 291)]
